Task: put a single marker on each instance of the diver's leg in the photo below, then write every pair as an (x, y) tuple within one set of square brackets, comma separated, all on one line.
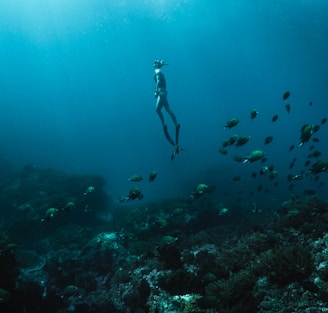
[(174, 119), (177, 131), (170, 112), (159, 106), (167, 135)]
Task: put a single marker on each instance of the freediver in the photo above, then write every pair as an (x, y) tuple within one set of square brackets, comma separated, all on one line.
[(161, 96)]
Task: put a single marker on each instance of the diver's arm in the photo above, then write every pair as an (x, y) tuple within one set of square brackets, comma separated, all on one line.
[(156, 86)]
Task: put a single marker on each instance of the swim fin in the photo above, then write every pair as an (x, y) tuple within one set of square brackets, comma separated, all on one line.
[(177, 131), (167, 136)]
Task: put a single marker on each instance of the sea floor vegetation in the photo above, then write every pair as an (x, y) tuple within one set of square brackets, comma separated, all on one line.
[(172, 255)]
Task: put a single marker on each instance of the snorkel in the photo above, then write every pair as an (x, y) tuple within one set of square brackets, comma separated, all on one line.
[(159, 63)]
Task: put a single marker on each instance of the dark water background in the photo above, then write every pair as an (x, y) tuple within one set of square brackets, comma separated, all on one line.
[(77, 89)]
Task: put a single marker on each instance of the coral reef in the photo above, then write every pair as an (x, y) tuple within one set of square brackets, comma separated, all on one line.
[(173, 255)]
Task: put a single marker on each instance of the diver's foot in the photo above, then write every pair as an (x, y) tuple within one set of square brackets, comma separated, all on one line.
[(176, 151)]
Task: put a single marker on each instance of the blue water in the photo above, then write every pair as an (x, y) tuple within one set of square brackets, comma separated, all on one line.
[(77, 89)]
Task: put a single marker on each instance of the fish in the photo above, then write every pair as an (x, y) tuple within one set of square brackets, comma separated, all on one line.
[(50, 214), (291, 147), (134, 193), (315, 139), (70, 205), (271, 168), (287, 107), (314, 154), (230, 141), (242, 140), (152, 175), (238, 158), (316, 128), (70, 290), (268, 140), (90, 190), (223, 151), (254, 174), (231, 123), (275, 117), (4, 296), (135, 178), (310, 192), (264, 160), (285, 95), (307, 163), (310, 103), (306, 132), (273, 174), (198, 191), (236, 178), (223, 211), (255, 208), (294, 177), (254, 113), (254, 156), (122, 199), (319, 167), (264, 170), (323, 121)]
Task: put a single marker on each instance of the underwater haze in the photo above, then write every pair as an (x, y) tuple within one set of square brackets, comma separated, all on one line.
[(77, 91)]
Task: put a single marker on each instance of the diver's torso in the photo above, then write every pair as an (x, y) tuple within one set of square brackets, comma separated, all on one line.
[(160, 78)]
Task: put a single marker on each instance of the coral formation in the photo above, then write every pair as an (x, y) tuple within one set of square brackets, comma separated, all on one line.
[(173, 255)]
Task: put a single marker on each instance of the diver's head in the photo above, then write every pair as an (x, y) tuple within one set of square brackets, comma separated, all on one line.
[(159, 63)]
